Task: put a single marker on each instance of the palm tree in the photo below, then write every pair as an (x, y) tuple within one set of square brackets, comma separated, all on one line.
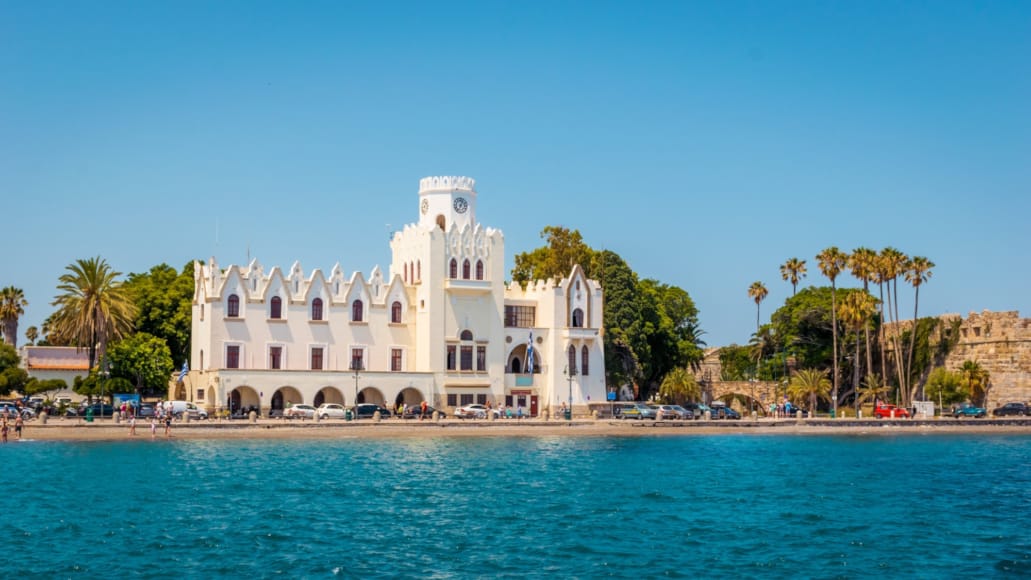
[(758, 292), (793, 270), (976, 380), (871, 391), (809, 384), (679, 386), (32, 333), (863, 264), (856, 310), (92, 307), (893, 264), (832, 261), (918, 273), (12, 306)]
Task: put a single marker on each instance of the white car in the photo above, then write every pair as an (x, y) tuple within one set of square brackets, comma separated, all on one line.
[(300, 410), (475, 411), (330, 411)]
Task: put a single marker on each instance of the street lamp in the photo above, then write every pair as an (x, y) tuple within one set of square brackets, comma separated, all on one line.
[(356, 366), (107, 373), (570, 372)]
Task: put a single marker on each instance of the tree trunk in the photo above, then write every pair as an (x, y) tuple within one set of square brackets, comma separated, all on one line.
[(912, 344), (834, 341), (881, 338)]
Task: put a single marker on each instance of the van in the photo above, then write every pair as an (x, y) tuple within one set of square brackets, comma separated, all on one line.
[(178, 408)]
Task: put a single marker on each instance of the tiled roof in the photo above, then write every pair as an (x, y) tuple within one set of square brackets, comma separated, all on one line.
[(56, 358)]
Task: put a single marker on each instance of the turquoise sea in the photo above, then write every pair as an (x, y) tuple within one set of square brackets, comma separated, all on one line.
[(741, 506)]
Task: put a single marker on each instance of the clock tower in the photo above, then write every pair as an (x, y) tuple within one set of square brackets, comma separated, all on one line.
[(447, 200)]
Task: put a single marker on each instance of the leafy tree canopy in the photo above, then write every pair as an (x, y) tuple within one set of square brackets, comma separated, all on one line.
[(12, 377), (163, 299), (45, 387), (946, 386), (144, 361), (565, 248)]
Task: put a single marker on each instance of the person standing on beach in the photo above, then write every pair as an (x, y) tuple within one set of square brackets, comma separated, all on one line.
[(153, 427), (3, 431), (168, 425), (132, 425), (18, 424)]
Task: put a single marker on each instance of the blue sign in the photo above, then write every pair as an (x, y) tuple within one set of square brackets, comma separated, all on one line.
[(611, 396)]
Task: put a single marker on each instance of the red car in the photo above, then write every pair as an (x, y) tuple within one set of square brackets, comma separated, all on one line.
[(884, 411)]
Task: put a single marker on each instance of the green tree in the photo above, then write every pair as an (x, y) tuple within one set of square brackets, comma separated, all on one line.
[(736, 362), (164, 303), (811, 385), (678, 387), (93, 307), (891, 264), (832, 262), (12, 307), (945, 387), (12, 376), (793, 271), (45, 387), (564, 249), (863, 264), (31, 334), (918, 273), (976, 381), (856, 311), (757, 292), (144, 361), (871, 390)]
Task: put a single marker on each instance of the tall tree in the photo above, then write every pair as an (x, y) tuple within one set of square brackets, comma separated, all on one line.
[(12, 376), (31, 334), (565, 248), (856, 311), (832, 261), (793, 270), (144, 360), (92, 306), (679, 386), (163, 299), (757, 292), (893, 264), (919, 272), (863, 264), (12, 306), (976, 380)]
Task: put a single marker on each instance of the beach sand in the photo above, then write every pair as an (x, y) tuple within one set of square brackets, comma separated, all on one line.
[(74, 430)]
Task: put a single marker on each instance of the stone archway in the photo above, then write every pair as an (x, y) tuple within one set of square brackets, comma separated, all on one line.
[(328, 395), (244, 399), (372, 395), (282, 398), (516, 361), (410, 396)]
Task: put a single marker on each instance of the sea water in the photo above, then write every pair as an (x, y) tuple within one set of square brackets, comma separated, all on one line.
[(742, 506)]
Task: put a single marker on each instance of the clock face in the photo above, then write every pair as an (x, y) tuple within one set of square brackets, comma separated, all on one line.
[(461, 205), (425, 205)]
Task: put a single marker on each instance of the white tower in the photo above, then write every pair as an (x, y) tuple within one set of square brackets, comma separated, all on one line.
[(447, 200)]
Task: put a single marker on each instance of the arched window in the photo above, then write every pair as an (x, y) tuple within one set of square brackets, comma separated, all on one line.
[(516, 366), (233, 306), (454, 268), (395, 312), (316, 309), (572, 360), (466, 335), (479, 269), (356, 311), (465, 270), (276, 308), (405, 277), (585, 360), (578, 318), (418, 270)]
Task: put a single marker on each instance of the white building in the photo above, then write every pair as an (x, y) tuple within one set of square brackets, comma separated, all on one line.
[(440, 326)]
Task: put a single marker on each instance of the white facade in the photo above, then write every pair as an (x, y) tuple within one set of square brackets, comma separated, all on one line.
[(440, 326)]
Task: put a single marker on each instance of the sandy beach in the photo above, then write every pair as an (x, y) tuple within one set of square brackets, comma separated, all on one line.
[(74, 430)]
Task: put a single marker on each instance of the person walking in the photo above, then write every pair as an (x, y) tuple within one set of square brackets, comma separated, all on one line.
[(168, 425), (422, 410), (153, 428), (3, 430), (18, 424), (132, 425)]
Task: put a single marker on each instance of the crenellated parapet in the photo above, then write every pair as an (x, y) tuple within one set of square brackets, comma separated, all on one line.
[(447, 183)]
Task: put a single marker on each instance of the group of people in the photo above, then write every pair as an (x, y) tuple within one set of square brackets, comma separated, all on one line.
[(402, 409), (5, 428)]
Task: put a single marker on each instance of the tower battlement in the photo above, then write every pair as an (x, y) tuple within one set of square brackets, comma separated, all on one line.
[(447, 183)]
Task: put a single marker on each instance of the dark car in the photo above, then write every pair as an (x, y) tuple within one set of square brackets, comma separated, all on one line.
[(98, 410), (1019, 409), (722, 412), (413, 412), (968, 410), (367, 410), (146, 410)]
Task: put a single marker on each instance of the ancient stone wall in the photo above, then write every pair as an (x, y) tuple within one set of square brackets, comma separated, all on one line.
[(1001, 343)]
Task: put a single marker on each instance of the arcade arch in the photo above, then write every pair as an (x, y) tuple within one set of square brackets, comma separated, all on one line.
[(284, 396), (516, 362), (409, 396), (372, 395), (328, 395)]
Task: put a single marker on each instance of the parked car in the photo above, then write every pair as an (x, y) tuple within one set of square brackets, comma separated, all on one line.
[(367, 410), (633, 411), (299, 411), (724, 412), (146, 410), (697, 409), (97, 410), (1019, 409), (968, 410), (180, 408), (12, 411), (413, 411), (475, 411), (331, 411), (673, 412), (884, 411)]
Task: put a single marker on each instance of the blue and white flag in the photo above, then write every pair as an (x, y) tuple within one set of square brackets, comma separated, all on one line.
[(185, 371), (529, 354)]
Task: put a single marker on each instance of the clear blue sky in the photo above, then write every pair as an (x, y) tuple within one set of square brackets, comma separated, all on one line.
[(705, 143)]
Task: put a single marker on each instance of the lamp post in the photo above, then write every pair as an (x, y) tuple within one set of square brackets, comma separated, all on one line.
[(356, 367), (570, 372), (107, 373)]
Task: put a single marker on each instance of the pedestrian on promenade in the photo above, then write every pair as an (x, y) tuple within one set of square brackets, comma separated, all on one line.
[(422, 410), (18, 424)]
